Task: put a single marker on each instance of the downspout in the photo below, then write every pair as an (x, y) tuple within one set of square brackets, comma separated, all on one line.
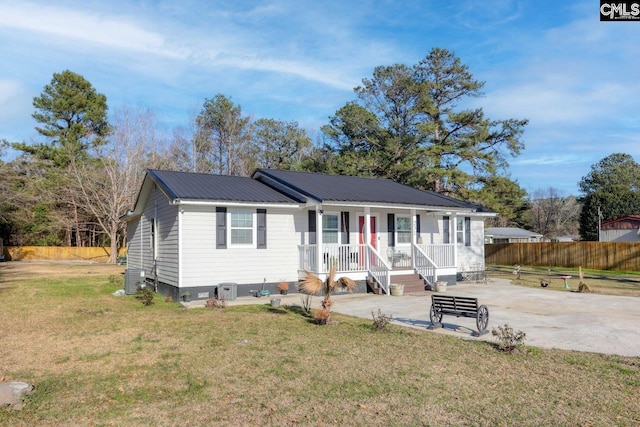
[(319, 257), (180, 216)]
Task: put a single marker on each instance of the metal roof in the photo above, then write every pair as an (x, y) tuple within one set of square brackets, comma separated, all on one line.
[(340, 188), (505, 232), (203, 186)]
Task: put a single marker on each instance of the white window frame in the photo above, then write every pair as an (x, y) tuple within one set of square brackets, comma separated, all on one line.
[(463, 231), (337, 229), (254, 228), (460, 230), (408, 231)]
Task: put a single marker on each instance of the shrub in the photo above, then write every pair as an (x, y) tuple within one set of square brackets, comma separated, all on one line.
[(322, 316), (145, 295), (220, 303), (509, 340), (380, 320)]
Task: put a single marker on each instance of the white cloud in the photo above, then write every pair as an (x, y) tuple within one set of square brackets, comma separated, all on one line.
[(550, 160), (221, 45), (113, 31), (547, 102)]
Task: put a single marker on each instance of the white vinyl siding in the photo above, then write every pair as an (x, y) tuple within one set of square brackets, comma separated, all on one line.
[(473, 255), (158, 211), (134, 244), (204, 265)]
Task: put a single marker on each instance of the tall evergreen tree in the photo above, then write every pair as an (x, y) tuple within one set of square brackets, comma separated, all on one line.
[(72, 116), (611, 189), (222, 140), (279, 145), (406, 125)]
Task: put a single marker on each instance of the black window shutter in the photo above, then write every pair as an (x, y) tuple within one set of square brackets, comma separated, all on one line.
[(221, 228), (445, 230), (391, 230), (467, 231), (418, 224), (345, 227), (262, 229), (312, 227)]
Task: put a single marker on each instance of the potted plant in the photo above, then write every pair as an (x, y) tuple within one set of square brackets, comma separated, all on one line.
[(186, 296), (441, 286), (283, 287), (397, 289)]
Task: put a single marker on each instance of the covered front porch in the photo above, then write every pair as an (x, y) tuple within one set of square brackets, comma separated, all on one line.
[(361, 261)]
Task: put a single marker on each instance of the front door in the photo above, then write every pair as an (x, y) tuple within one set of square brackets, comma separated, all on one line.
[(374, 239)]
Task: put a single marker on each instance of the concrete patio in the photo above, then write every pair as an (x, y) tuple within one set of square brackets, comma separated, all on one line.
[(551, 319)]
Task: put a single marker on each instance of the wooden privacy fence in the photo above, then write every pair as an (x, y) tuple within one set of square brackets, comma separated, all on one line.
[(57, 253), (591, 255)]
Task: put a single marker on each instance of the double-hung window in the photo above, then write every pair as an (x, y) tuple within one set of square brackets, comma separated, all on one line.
[(403, 230), (463, 231), (460, 230), (330, 228), (242, 228)]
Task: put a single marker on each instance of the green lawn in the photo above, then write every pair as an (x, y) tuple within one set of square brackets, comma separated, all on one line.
[(96, 359)]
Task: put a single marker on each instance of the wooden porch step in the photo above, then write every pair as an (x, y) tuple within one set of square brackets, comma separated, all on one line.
[(412, 282)]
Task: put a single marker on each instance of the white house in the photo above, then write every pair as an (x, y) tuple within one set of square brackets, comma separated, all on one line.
[(510, 235), (193, 232)]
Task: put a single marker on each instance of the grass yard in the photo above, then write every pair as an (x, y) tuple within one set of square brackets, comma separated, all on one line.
[(96, 359), (623, 283)]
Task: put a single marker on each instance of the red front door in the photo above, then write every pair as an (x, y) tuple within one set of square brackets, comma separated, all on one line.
[(372, 227), (374, 239)]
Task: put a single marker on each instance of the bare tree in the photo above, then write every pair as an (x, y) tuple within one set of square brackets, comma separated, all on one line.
[(109, 182), (553, 215)]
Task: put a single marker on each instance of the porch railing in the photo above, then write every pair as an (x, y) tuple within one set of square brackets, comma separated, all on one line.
[(378, 268), (346, 258), (441, 255), (424, 265)]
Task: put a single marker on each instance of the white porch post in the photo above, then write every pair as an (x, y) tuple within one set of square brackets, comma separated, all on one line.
[(454, 227), (319, 257), (414, 235), (367, 233)]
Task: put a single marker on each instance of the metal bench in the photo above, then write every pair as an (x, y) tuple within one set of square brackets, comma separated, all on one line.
[(459, 307)]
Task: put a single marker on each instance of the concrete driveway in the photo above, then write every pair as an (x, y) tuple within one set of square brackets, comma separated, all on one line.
[(551, 319)]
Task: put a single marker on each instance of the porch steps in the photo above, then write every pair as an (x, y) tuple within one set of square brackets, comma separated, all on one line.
[(412, 282)]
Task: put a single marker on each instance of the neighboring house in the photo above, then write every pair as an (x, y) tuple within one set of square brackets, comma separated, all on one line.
[(623, 229), (193, 232), (510, 235)]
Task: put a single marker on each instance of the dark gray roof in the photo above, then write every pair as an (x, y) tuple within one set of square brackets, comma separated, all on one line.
[(203, 186), (340, 188)]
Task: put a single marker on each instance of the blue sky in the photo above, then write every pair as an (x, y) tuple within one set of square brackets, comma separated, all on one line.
[(575, 78)]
